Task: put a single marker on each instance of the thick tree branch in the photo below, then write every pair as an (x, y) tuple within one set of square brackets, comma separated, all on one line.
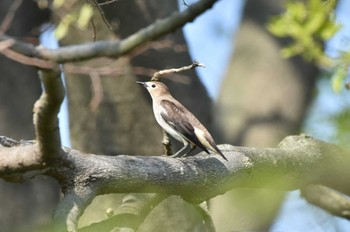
[(45, 114), (299, 161), (18, 159), (71, 207), (113, 48)]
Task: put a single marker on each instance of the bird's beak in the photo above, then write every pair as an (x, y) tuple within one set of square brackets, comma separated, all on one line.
[(142, 83)]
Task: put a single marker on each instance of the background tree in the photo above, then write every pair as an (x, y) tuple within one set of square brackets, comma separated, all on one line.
[(263, 98)]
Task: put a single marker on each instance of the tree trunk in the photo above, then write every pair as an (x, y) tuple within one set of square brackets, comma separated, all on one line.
[(123, 121), (263, 98), (28, 206)]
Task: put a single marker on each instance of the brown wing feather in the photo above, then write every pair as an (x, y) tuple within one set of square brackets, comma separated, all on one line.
[(178, 119)]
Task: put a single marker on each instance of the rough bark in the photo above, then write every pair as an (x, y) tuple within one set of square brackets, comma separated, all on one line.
[(30, 203), (298, 162), (263, 99)]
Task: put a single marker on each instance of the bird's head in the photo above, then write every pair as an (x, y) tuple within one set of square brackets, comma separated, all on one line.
[(155, 88)]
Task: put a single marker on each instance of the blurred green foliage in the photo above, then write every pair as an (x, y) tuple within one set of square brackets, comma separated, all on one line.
[(310, 24), (79, 19)]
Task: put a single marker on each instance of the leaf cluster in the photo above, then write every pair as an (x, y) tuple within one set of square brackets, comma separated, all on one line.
[(310, 24)]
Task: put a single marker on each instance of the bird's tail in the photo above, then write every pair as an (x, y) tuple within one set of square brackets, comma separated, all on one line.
[(220, 153)]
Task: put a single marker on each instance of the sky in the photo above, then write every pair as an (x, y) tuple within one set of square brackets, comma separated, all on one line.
[(200, 35), (210, 40)]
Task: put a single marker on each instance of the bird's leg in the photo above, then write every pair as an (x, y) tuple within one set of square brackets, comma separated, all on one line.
[(178, 154), (188, 153)]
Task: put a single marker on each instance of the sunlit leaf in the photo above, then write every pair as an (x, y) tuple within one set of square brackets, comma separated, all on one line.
[(329, 29), (338, 78), (62, 28), (315, 22), (296, 10), (85, 15), (58, 3), (278, 27), (290, 51)]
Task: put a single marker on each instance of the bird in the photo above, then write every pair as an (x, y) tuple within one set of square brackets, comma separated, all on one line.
[(178, 121)]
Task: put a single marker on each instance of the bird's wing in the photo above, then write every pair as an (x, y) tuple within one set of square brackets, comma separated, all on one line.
[(177, 118)]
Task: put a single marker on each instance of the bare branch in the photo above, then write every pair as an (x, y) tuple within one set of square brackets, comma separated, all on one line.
[(45, 114), (18, 158), (32, 61), (93, 29), (97, 91), (113, 48), (71, 207), (297, 162), (156, 76), (327, 199), (202, 209), (100, 10), (6, 22), (107, 2)]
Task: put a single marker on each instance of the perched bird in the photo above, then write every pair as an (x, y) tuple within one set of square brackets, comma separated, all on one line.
[(179, 122)]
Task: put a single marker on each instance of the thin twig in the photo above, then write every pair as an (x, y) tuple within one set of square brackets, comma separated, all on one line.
[(107, 2), (32, 61), (157, 75), (114, 48), (97, 91), (100, 10), (6, 22), (184, 3), (94, 29)]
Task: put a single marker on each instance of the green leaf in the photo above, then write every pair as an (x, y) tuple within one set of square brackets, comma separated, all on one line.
[(291, 50), (278, 27), (338, 78), (314, 23), (328, 30), (296, 11)]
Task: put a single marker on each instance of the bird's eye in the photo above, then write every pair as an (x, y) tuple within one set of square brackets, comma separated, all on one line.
[(153, 85)]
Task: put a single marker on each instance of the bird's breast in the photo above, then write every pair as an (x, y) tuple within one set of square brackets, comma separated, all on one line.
[(167, 127)]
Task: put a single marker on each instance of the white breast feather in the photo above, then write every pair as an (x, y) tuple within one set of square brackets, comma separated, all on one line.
[(167, 127)]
